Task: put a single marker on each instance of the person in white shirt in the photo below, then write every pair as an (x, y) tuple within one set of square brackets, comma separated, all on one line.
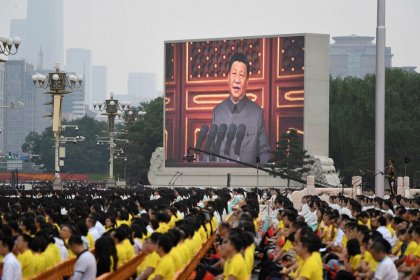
[(305, 207), (90, 223), (385, 270), (386, 234), (85, 266), (11, 266)]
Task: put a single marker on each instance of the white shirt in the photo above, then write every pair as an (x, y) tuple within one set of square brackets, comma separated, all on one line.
[(339, 237), (64, 253), (95, 233), (305, 210), (11, 268), (346, 211), (386, 234), (311, 219), (386, 270), (100, 228)]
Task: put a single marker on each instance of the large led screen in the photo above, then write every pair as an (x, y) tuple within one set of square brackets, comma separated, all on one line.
[(231, 97)]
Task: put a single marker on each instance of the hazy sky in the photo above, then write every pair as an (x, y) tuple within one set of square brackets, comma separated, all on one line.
[(128, 35)]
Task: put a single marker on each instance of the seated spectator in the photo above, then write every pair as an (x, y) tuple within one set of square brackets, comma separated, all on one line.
[(85, 266)]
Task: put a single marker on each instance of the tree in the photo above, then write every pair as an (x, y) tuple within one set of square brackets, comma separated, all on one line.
[(352, 123), (83, 157), (290, 157), (144, 136)]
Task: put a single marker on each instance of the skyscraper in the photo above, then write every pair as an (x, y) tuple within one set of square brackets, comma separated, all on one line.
[(43, 27), (355, 56), (18, 122), (80, 61), (99, 83), (2, 69), (142, 86)]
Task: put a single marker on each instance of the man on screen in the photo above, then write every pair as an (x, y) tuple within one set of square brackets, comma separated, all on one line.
[(245, 138)]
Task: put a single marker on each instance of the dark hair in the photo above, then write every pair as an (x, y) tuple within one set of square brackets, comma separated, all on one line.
[(353, 247), (75, 239), (8, 242), (309, 239), (154, 237), (382, 221), (165, 243), (105, 251), (380, 245), (241, 58), (236, 239)]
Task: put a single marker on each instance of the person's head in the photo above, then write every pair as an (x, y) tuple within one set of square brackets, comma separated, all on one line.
[(6, 245), (353, 247), (22, 242), (66, 232), (164, 245), (238, 76), (224, 229), (110, 222), (415, 234), (307, 242), (232, 245), (390, 162), (76, 244), (90, 222), (379, 248)]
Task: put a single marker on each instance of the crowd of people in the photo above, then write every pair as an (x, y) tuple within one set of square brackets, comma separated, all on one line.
[(260, 233)]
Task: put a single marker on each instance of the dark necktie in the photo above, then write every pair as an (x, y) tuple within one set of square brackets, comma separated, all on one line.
[(235, 109)]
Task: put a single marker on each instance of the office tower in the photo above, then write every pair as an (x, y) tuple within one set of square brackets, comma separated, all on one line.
[(18, 122), (99, 83), (80, 61), (43, 27)]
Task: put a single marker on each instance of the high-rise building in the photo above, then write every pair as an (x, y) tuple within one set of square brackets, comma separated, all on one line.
[(18, 122), (43, 27), (355, 56), (2, 70), (142, 86), (99, 83), (80, 61)]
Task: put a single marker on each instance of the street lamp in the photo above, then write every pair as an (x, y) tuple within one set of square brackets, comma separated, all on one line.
[(57, 82), (7, 43), (14, 105), (112, 108)]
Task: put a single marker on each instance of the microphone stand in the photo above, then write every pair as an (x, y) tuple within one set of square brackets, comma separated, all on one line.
[(189, 158), (170, 182), (176, 178)]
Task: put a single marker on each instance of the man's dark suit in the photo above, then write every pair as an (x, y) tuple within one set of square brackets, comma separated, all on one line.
[(255, 143)]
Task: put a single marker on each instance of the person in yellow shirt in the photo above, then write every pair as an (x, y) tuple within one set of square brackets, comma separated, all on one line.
[(234, 267), (307, 247), (165, 270), (122, 250), (354, 254), (25, 256), (149, 264)]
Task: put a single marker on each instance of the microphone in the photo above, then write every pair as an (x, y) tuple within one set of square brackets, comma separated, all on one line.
[(220, 136), (240, 134), (210, 138), (229, 138), (201, 136)]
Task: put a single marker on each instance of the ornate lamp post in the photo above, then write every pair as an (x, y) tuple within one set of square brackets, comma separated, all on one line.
[(7, 43), (57, 82), (112, 108)]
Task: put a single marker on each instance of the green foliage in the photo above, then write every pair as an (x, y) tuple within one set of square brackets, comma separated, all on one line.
[(352, 123), (83, 157), (290, 157), (145, 135)]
